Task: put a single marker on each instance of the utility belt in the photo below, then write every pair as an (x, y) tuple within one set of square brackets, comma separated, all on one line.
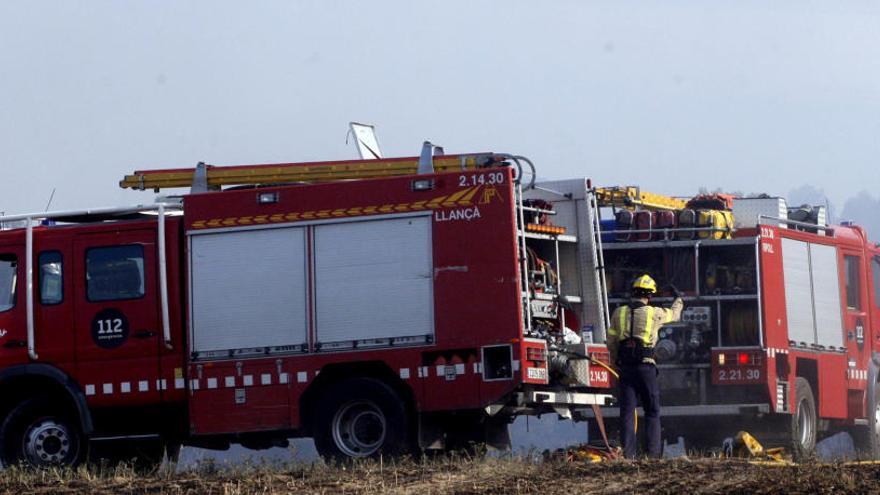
[(633, 351)]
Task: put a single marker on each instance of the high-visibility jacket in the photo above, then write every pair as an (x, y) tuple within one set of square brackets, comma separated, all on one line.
[(640, 322)]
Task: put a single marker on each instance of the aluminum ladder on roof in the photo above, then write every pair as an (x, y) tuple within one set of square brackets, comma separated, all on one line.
[(206, 177)]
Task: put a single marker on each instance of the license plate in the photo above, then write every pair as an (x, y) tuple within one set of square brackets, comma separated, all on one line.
[(536, 373), (737, 375)]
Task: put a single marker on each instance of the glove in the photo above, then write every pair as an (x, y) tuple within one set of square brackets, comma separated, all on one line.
[(675, 291)]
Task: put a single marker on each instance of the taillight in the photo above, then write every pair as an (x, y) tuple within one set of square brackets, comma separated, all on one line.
[(537, 354), (740, 358)]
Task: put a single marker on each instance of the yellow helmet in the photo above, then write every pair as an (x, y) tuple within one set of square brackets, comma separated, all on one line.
[(645, 283)]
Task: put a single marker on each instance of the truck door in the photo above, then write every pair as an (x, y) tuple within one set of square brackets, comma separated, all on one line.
[(855, 319), (117, 320)]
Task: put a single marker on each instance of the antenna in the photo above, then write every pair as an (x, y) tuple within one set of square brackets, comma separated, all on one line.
[(51, 197), (365, 139)]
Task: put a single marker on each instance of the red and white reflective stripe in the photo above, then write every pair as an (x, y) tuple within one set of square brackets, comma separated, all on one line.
[(856, 374), (773, 351), (233, 381), (265, 379), (440, 370)]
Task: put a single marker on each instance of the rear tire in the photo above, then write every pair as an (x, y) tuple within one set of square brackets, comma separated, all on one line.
[(362, 418), (867, 439), (804, 423), (38, 432)]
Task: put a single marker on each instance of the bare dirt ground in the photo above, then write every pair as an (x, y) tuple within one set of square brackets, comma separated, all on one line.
[(484, 476)]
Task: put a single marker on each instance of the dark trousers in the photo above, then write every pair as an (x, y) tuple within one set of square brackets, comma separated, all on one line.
[(639, 380)]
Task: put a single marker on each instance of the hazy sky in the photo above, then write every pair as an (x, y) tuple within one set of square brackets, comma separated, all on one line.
[(749, 96)]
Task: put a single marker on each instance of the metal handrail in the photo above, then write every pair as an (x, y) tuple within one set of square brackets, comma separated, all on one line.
[(797, 223), (680, 229)]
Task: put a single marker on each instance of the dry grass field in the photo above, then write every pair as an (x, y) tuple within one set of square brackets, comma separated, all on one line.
[(472, 476)]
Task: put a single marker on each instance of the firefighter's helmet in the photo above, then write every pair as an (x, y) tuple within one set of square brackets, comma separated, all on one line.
[(645, 285)]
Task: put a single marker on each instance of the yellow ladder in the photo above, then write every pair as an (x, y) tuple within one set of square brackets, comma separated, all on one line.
[(632, 196), (216, 176)]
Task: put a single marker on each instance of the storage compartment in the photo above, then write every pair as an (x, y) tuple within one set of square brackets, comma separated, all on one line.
[(497, 362), (248, 291), (373, 283), (666, 266), (747, 210), (728, 270), (812, 294), (719, 279), (250, 288), (739, 323)]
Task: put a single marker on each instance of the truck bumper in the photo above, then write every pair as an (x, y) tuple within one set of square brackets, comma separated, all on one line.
[(563, 398), (564, 403)]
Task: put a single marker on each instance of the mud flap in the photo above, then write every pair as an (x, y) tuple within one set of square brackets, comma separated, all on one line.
[(600, 422)]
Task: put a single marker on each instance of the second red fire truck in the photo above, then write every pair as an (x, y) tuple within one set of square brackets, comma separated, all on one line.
[(781, 328)]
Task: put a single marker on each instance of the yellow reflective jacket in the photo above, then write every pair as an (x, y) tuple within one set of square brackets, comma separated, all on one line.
[(646, 322)]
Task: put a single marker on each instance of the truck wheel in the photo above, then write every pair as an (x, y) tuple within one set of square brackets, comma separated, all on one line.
[(803, 421), (39, 433), (867, 439), (361, 418)]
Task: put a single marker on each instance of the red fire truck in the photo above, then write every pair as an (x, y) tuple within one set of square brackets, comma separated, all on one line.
[(781, 328), (379, 306)]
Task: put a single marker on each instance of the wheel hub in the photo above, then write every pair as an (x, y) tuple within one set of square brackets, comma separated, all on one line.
[(359, 429), (47, 443)]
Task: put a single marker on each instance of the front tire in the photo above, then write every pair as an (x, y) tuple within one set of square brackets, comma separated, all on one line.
[(361, 418), (37, 432), (804, 421)]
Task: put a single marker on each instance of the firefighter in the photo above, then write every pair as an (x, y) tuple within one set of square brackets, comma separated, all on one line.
[(632, 335)]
